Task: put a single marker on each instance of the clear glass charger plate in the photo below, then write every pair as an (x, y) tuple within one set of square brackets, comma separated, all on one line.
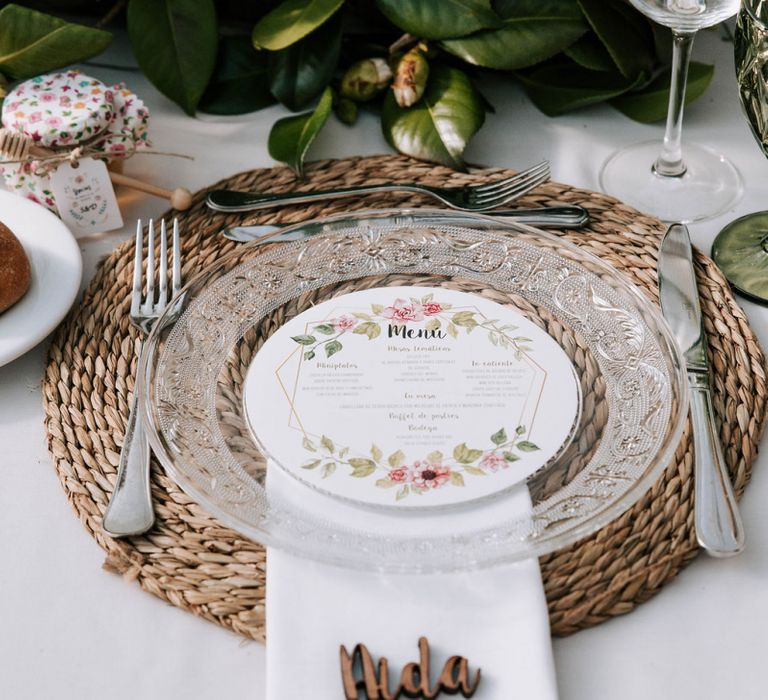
[(627, 372)]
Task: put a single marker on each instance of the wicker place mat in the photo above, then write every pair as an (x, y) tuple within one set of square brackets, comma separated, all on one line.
[(194, 562)]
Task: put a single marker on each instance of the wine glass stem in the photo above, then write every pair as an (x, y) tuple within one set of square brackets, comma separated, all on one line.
[(670, 162)]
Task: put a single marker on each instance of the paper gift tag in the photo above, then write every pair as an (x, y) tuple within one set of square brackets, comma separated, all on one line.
[(85, 197)]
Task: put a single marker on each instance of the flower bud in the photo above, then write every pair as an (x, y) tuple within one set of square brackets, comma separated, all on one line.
[(346, 110), (410, 78), (365, 79)]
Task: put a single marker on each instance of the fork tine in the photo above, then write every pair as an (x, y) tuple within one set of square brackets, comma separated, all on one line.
[(149, 300), (502, 192), (176, 258), (162, 296), (514, 191), (137, 259), (490, 187)]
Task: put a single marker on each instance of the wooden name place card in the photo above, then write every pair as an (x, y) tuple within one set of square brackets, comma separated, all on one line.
[(359, 672)]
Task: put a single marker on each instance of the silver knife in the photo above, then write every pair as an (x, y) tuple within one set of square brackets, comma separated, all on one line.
[(718, 524), (548, 217)]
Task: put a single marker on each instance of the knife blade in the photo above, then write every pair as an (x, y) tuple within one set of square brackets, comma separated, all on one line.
[(719, 528)]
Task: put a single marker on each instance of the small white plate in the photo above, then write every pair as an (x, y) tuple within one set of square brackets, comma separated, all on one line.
[(57, 269)]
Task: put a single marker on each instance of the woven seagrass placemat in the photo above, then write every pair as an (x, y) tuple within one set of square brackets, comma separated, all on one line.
[(194, 562)]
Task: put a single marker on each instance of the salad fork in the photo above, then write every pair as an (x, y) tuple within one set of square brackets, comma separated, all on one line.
[(130, 510), (471, 198)]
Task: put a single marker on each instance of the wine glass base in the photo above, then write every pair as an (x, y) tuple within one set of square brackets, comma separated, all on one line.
[(710, 186)]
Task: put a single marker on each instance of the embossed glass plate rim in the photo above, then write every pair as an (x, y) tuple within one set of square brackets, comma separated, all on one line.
[(536, 547)]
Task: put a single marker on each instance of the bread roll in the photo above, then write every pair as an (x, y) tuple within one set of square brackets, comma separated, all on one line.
[(14, 269)]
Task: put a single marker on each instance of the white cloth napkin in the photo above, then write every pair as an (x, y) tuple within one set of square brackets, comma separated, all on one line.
[(496, 618)]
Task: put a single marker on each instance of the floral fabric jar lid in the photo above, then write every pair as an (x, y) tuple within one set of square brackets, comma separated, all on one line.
[(64, 110), (59, 109)]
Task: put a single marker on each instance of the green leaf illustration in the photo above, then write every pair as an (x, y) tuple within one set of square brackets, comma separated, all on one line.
[(526, 446), (499, 437), (396, 459), (332, 348), (465, 455), (312, 464), (175, 43), (309, 355), (325, 328), (362, 467), (435, 457), (385, 483), (290, 137), (307, 444), (377, 309), (304, 339), (360, 315), (465, 319), (343, 451), (328, 469), (457, 479), (475, 470), (452, 331), (290, 21), (520, 430), (376, 453), (403, 492), (32, 42), (511, 457), (327, 443), (433, 324), (369, 328)]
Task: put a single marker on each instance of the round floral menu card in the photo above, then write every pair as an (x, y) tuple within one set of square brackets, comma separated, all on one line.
[(411, 397)]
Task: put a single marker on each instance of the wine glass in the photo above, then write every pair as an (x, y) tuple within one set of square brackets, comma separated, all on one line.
[(741, 248), (665, 182)]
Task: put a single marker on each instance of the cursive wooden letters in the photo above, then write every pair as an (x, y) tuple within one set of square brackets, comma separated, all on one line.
[(414, 679)]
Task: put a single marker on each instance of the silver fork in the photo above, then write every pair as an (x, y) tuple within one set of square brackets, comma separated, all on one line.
[(130, 510), (475, 198)]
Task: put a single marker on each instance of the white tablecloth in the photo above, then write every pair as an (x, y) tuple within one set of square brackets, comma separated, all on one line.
[(69, 630)]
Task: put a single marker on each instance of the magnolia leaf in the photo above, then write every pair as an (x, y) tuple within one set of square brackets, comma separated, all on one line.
[(32, 42), (298, 73), (291, 21), (651, 102), (291, 137), (304, 339), (439, 126), (499, 437), (626, 34), (556, 89), (175, 43), (240, 81), (590, 52), (396, 459), (439, 19), (526, 446), (532, 31)]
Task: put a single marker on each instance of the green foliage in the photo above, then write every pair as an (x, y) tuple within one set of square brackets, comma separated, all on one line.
[(175, 42), (289, 142), (567, 54), (32, 43)]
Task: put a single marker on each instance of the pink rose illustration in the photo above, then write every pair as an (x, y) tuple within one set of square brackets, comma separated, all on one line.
[(429, 476), (48, 97), (400, 475), (34, 117), (432, 308), (404, 311), (493, 462), (344, 323), (53, 121)]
